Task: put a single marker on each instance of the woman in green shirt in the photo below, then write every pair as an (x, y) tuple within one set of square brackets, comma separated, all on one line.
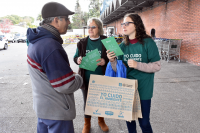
[(142, 59), (86, 45)]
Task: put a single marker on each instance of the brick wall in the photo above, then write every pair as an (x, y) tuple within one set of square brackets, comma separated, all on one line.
[(176, 19)]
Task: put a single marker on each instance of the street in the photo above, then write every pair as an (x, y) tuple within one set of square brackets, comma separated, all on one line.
[(175, 104)]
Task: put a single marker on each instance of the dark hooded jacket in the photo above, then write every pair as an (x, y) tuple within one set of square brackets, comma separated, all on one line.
[(53, 81)]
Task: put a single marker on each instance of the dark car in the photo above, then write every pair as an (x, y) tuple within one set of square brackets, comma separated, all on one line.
[(20, 38)]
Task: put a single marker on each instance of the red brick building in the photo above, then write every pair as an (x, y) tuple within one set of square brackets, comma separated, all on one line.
[(172, 19)]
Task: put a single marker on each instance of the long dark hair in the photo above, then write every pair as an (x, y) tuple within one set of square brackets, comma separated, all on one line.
[(140, 29)]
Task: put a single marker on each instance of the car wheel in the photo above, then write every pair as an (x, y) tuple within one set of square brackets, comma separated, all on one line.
[(5, 46), (17, 41), (13, 41)]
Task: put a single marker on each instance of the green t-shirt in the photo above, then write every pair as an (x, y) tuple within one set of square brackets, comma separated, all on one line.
[(141, 53), (92, 45)]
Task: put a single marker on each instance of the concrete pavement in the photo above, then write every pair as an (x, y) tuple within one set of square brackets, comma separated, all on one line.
[(175, 104)]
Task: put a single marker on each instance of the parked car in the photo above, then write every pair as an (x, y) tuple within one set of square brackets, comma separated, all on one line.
[(3, 43), (19, 38), (10, 38), (3, 36)]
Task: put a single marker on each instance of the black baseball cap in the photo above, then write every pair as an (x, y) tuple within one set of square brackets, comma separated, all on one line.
[(54, 9)]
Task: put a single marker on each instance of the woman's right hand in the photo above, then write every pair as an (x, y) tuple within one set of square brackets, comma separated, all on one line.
[(79, 60), (111, 55)]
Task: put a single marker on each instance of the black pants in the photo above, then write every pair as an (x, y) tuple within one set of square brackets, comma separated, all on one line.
[(84, 99)]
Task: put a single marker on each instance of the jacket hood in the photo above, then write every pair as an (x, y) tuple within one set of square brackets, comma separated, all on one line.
[(36, 34)]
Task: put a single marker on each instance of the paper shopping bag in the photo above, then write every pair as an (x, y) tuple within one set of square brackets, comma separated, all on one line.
[(113, 97)]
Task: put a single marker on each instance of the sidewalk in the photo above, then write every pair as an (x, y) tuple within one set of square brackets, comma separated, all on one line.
[(175, 104)]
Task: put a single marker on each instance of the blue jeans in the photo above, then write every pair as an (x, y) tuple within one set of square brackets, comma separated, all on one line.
[(54, 126), (145, 121)]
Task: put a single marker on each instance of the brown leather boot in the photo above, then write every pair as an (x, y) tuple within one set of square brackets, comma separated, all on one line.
[(102, 124), (87, 125)]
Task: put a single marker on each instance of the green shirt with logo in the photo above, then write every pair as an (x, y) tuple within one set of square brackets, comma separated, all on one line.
[(141, 53), (92, 45)]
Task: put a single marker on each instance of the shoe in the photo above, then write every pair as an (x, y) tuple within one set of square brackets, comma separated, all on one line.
[(87, 125), (102, 124)]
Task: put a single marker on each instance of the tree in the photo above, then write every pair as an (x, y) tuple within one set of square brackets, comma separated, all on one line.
[(32, 26), (17, 19), (79, 18), (28, 19), (5, 25), (20, 21), (13, 18), (85, 17), (94, 8), (39, 17), (69, 27)]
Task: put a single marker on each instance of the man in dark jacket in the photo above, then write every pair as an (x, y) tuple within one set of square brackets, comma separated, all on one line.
[(53, 81)]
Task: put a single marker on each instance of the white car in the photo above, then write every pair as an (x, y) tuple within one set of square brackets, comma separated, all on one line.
[(3, 44), (21, 38), (10, 38)]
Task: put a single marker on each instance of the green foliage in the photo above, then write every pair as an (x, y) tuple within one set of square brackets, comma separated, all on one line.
[(31, 26), (94, 8), (69, 27), (28, 19), (15, 19), (80, 18), (39, 17), (77, 21)]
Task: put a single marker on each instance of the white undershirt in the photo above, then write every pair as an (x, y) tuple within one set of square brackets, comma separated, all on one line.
[(94, 38)]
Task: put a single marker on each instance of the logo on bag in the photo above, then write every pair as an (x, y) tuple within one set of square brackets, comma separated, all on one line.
[(109, 113), (96, 112), (121, 114), (127, 85)]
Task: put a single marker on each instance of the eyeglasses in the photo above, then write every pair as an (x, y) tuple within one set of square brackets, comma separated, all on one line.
[(66, 18), (126, 23), (92, 27)]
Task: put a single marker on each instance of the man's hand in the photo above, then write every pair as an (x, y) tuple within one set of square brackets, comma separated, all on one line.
[(132, 63), (101, 63), (111, 55), (79, 60)]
